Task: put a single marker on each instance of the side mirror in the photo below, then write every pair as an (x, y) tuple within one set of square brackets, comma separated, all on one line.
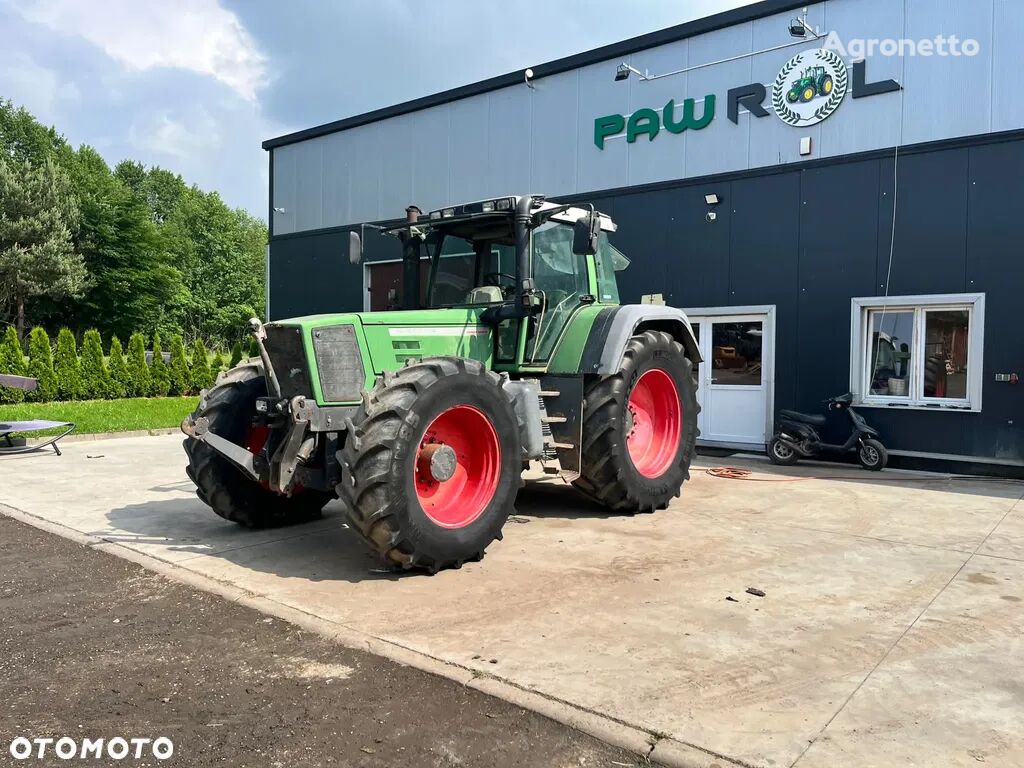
[(585, 234), (355, 247)]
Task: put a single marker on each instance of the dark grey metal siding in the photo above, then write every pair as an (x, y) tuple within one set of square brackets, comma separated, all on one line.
[(808, 239)]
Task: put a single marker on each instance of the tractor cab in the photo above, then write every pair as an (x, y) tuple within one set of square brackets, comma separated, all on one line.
[(529, 263)]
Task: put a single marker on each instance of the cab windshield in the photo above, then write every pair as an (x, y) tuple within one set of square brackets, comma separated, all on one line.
[(471, 272)]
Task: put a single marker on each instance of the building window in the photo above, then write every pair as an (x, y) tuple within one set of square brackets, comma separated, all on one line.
[(918, 351)]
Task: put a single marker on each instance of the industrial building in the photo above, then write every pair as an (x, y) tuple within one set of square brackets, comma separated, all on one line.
[(831, 191)]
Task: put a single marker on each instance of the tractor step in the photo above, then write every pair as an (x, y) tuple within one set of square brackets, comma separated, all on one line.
[(553, 419), (554, 444), (549, 393)]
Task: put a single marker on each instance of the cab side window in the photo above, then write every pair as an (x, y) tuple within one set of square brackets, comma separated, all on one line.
[(561, 278)]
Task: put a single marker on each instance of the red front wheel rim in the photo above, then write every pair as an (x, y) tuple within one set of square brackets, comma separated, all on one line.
[(654, 423), (467, 438)]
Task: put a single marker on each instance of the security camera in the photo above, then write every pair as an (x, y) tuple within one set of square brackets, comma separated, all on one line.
[(529, 74), (711, 216)]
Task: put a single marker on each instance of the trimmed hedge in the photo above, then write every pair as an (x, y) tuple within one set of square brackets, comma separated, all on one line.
[(67, 367), (140, 380), (65, 373), (95, 376), (161, 383), (12, 360), (119, 378), (40, 366)]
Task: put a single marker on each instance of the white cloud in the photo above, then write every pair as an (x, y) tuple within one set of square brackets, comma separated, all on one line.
[(162, 134), (195, 35)]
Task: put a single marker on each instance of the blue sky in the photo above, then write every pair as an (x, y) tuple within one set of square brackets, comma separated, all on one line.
[(196, 85)]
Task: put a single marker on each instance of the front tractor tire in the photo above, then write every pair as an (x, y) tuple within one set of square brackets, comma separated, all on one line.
[(640, 427), (229, 407), (431, 464)]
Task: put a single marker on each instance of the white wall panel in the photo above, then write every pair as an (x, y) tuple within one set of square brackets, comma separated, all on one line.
[(396, 165), (508, 150), (554, 124), (723, 145), (284, 189), (600, 95), (662, 158), (948, 95), (364, 186), (337, 157), (541, 139), (309, 192), (469, 140), (871, 123), (1007, 67), (430, 145)]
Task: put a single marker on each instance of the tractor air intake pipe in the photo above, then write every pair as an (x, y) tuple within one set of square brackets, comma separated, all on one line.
[(524, 281), (411, 262)]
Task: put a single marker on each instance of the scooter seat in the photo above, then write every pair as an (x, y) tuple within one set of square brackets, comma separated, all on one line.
[(805, 418)]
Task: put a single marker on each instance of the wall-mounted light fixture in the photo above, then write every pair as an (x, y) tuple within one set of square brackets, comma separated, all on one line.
[(526, 78), (798, 28), (712, 199), (279, 210)]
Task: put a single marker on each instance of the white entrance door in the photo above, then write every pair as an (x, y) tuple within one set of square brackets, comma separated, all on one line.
[(736, 378)]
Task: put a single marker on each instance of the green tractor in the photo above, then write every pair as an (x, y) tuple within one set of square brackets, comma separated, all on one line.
[(813, 82), (423, 419)]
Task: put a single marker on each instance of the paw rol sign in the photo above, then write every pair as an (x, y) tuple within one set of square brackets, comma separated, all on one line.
[(808, 89)]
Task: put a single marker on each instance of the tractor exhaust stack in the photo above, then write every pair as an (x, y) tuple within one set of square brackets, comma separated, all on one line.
[(411, 262)]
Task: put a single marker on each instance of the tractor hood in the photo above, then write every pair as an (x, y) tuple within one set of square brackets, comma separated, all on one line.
[(357, 347)]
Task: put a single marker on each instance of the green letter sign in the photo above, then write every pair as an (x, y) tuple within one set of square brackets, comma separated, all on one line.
[(688, 121), (647, 122), (606, 126)]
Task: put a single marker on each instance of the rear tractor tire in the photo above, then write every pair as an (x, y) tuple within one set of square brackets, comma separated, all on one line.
[(431, 464), (640, 427), (229, 407)]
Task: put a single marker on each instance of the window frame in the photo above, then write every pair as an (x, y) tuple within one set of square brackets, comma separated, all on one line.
[(861, 310)]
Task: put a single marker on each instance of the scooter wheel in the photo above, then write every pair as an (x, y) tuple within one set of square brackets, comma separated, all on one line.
[(780, 453), (872, 455)]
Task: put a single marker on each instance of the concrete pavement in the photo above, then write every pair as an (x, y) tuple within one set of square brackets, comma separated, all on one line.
[(889, 633)]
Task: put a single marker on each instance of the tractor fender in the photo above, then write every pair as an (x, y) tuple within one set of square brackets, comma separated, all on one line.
[(614, 327)]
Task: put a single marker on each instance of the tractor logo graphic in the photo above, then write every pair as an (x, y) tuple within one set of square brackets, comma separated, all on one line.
[(810, 87)]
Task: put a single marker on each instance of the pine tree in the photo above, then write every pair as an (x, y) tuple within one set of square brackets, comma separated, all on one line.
[(40, 366), (236, 354), (140, 380), (38, 213), (216, 366), (202, 376), (119, 378), (181, 379), (254, 348), (67, 368), (95, 376), (161, 384), (12, 360)]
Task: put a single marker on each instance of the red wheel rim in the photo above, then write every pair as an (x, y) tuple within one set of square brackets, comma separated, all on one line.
[(460, 499), (654, 421)]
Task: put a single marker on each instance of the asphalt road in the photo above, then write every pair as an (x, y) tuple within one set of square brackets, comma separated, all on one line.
[(93, 646)]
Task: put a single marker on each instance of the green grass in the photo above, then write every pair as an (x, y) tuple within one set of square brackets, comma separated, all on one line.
[(92, 416)]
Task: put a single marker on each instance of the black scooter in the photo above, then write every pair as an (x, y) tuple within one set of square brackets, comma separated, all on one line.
[(795, 437)]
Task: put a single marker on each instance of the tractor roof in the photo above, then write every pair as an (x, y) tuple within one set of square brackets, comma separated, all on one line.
[(497, 209)]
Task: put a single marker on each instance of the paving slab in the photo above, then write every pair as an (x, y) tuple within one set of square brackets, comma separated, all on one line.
[(644, 620)]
